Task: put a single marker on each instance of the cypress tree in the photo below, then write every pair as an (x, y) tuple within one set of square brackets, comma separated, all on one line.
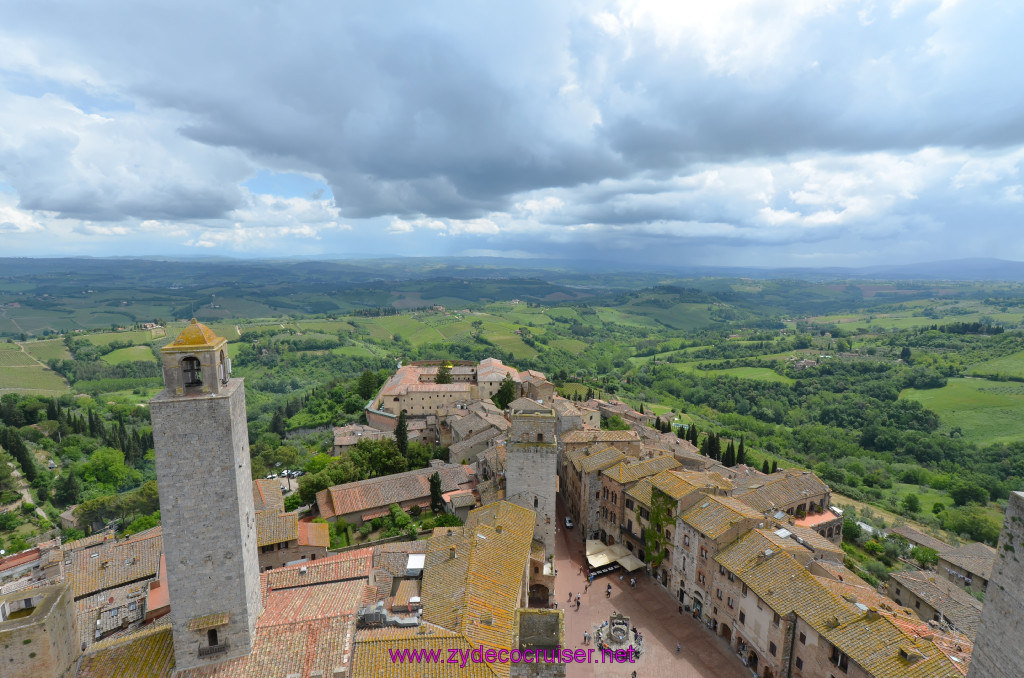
[(741, 453), (402, 435), (730, 455), (775, 465), (684, 432), (764, 467)]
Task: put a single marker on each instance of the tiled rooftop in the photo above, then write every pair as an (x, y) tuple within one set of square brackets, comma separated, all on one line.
[(266, 495), (974, 557), (875, 643), (474, 575), (960, 607), (600, 460), (314, 534), (148, 653), (373, 660), (918, 537), (784, 488), (630, 471), (273, 527), (386, 490), (592, 436), (343, 566), (713, 516), (114, 563)]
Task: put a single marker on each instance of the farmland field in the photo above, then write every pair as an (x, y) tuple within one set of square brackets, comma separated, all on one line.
[(986, 411), (1009, 365), (50, 349), (14, 357), (34, 379), (131, 354)]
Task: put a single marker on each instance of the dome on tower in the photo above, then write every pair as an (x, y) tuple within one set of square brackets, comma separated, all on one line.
[(195, 335)]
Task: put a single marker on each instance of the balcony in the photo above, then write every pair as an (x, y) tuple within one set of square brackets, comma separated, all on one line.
[(213, 649)]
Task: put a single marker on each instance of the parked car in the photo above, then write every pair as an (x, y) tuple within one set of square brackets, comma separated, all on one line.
[(271, 476), (568, 522)]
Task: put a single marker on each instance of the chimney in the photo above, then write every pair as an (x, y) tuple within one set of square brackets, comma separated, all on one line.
[(497, 528), (451, 552)]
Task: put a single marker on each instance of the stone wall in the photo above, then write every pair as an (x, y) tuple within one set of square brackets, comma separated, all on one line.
[(44, 644), (998, 651), (209, 529)]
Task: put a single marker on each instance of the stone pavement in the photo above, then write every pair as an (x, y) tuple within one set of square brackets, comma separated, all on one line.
[(650, 609)]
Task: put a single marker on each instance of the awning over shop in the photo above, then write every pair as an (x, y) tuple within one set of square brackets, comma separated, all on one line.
[(630, 563), (594, 547), (617, 551), (599, 560)]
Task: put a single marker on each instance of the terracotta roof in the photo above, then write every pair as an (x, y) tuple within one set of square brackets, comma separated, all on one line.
[(784, 488), (266, 495), (601, 460), (275, 528), (492, 369), (148, 653), (676, 484), (314, 534), (386, 490), (208, 621), (407, 590), (195, 335), (875, 643), (280, 650), (744, 552), (341, 567), (602, 436), (477, 439), (714, 516), (955, 604), (19, 559), (476, 592), (565, 408), (115, 563), (374, 646), (857, 590), (817, 543), (312, 603), (974, 557), (630, 471)]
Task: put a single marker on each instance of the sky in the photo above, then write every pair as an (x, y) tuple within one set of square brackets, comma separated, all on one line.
[(734, 132)]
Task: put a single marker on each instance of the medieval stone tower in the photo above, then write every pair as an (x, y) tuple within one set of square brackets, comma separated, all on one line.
[(531, 467), (202, 465)]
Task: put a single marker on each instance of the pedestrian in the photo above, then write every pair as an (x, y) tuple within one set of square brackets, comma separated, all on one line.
[(634, 674), (584, 637), (620, 577), (678, 648), (577, 597), (577, 605), (570, 596)]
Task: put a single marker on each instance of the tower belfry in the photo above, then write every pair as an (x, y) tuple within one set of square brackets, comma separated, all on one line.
[(201, 443)]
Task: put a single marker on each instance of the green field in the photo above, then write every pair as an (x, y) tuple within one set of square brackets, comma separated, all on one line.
[(759, 373), (574, 346), (986, 411), (34, 379), (131, 354), (11, 355), (1009, 365), (50, 349), (133, 336)]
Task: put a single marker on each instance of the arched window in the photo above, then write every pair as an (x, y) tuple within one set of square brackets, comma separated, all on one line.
[(540, 437), (535, 502), (191, 371), (211, 637)]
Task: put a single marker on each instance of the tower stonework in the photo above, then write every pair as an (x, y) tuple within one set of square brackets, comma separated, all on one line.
[(531, 469), (201, 443), (998, 652)]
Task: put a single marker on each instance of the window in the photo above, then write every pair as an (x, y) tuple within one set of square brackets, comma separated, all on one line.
[(703, 552), (743, 617), (615, 498), (113, 613), (629, 526), (597, 495), (700, 578), (606, 493), (191, 371), (613, 517), (629, 504), (803, 638), (721, 569), (776, 620), (839, 659), (211, 637), (799, 663), (535, 501), (730, 603), (668, 535), (773, 648), (718, 594), (744, 590), (917, 604), (644, 513), (686, 541), (898, 592), (731, 576)]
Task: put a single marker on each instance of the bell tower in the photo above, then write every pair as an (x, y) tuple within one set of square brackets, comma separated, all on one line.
[(201, 443)]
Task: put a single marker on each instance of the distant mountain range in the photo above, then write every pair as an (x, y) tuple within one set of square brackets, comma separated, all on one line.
[(397, 268)]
